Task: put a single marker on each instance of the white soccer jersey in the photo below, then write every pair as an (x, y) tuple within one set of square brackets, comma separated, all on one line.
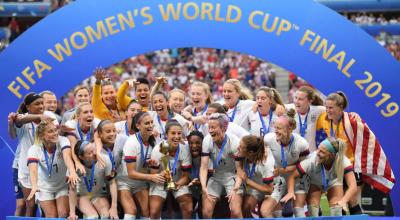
[(256, 125), (200, 127), (184, 162), (78, 133), (122, 128), (313, 168), (51, 172), (133, 152), (311, 122), (226, 167), (26, 138), (159, 125), (297, 148), (101, 175), (263, 172), (233, 129), (68, 115), (239, 115)]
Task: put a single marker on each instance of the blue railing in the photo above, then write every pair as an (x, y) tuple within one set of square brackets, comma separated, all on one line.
[(362, 5), (35, 9)]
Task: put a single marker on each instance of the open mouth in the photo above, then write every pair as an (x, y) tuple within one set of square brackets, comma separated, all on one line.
[(159, 108), (143, 97), (89, 120)]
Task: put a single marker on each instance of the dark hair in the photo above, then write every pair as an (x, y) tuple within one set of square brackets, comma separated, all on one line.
[(142, 80), (170, 113), (195, 133), (311, 95), (171, 123), (138, 117), (102, 123), (28, 99), (220, 108), (254, 147), (77, 149), (339, 98)]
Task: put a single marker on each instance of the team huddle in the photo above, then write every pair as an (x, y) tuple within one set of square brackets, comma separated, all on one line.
[(115, 156)]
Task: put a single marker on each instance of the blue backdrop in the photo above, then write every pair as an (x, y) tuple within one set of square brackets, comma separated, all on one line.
[(100, 33)]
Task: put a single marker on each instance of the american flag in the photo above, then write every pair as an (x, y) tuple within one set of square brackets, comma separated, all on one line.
[(369, 157)]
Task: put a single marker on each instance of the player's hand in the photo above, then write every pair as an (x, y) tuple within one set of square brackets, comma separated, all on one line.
[(73, 179), (232, 195), (79, 168), (157, 178), (288, 197), (208, 196), (113, 213), (99, 73), (195, 181), (32, 193)]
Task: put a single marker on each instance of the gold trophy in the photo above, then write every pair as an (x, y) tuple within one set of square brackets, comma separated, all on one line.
[(169, 182)]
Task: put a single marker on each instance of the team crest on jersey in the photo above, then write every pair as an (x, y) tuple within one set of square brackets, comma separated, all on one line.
[(313, 118), (293, 154)]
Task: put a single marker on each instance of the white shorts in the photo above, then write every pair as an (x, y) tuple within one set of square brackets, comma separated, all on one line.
[(257, 194), (158, 190), (280, 187), (25, 182), (133, 186), (45, 195), (215, 187)]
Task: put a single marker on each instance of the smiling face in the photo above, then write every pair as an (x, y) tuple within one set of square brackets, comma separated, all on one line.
[(50, 102), (50, 135), (133, 109), (198, 97), (282, 129), (142, 93), (108, 133), (160, 104), (195, 143), (89, 153), (216, 131), (231, 95), (82, 96), (334, 112), (85, 116), (176, 101), (174, 136), (108, 95), (145, 125), (324, 156), (36, 107), (301, 102), (263, 101)]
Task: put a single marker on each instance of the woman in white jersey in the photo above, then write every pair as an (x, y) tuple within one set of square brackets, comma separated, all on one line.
[(176, 100), (133, 174), (288, 148), (233, 128), (261, 122), (239, 101), (163, 114), (81, 127), (89, 195), (179, 163), (125, 127), (30, 113), (48, 170), (201, 98), (308, 106), (259, 172), (221, 148), (327, 168)]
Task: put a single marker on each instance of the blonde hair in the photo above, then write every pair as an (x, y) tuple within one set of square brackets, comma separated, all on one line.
[(270, 95), (206, 89), (40, 130), (176, 90), (79, 109), (244, 93), (78, 88), (340, 147)]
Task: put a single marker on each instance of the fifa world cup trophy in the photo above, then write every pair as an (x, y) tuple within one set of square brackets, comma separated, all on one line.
[(169, 182)]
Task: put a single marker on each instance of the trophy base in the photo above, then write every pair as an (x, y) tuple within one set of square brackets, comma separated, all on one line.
[(170, 186)]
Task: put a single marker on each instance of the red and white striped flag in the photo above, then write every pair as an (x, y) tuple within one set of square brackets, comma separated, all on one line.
[(369, 157)]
